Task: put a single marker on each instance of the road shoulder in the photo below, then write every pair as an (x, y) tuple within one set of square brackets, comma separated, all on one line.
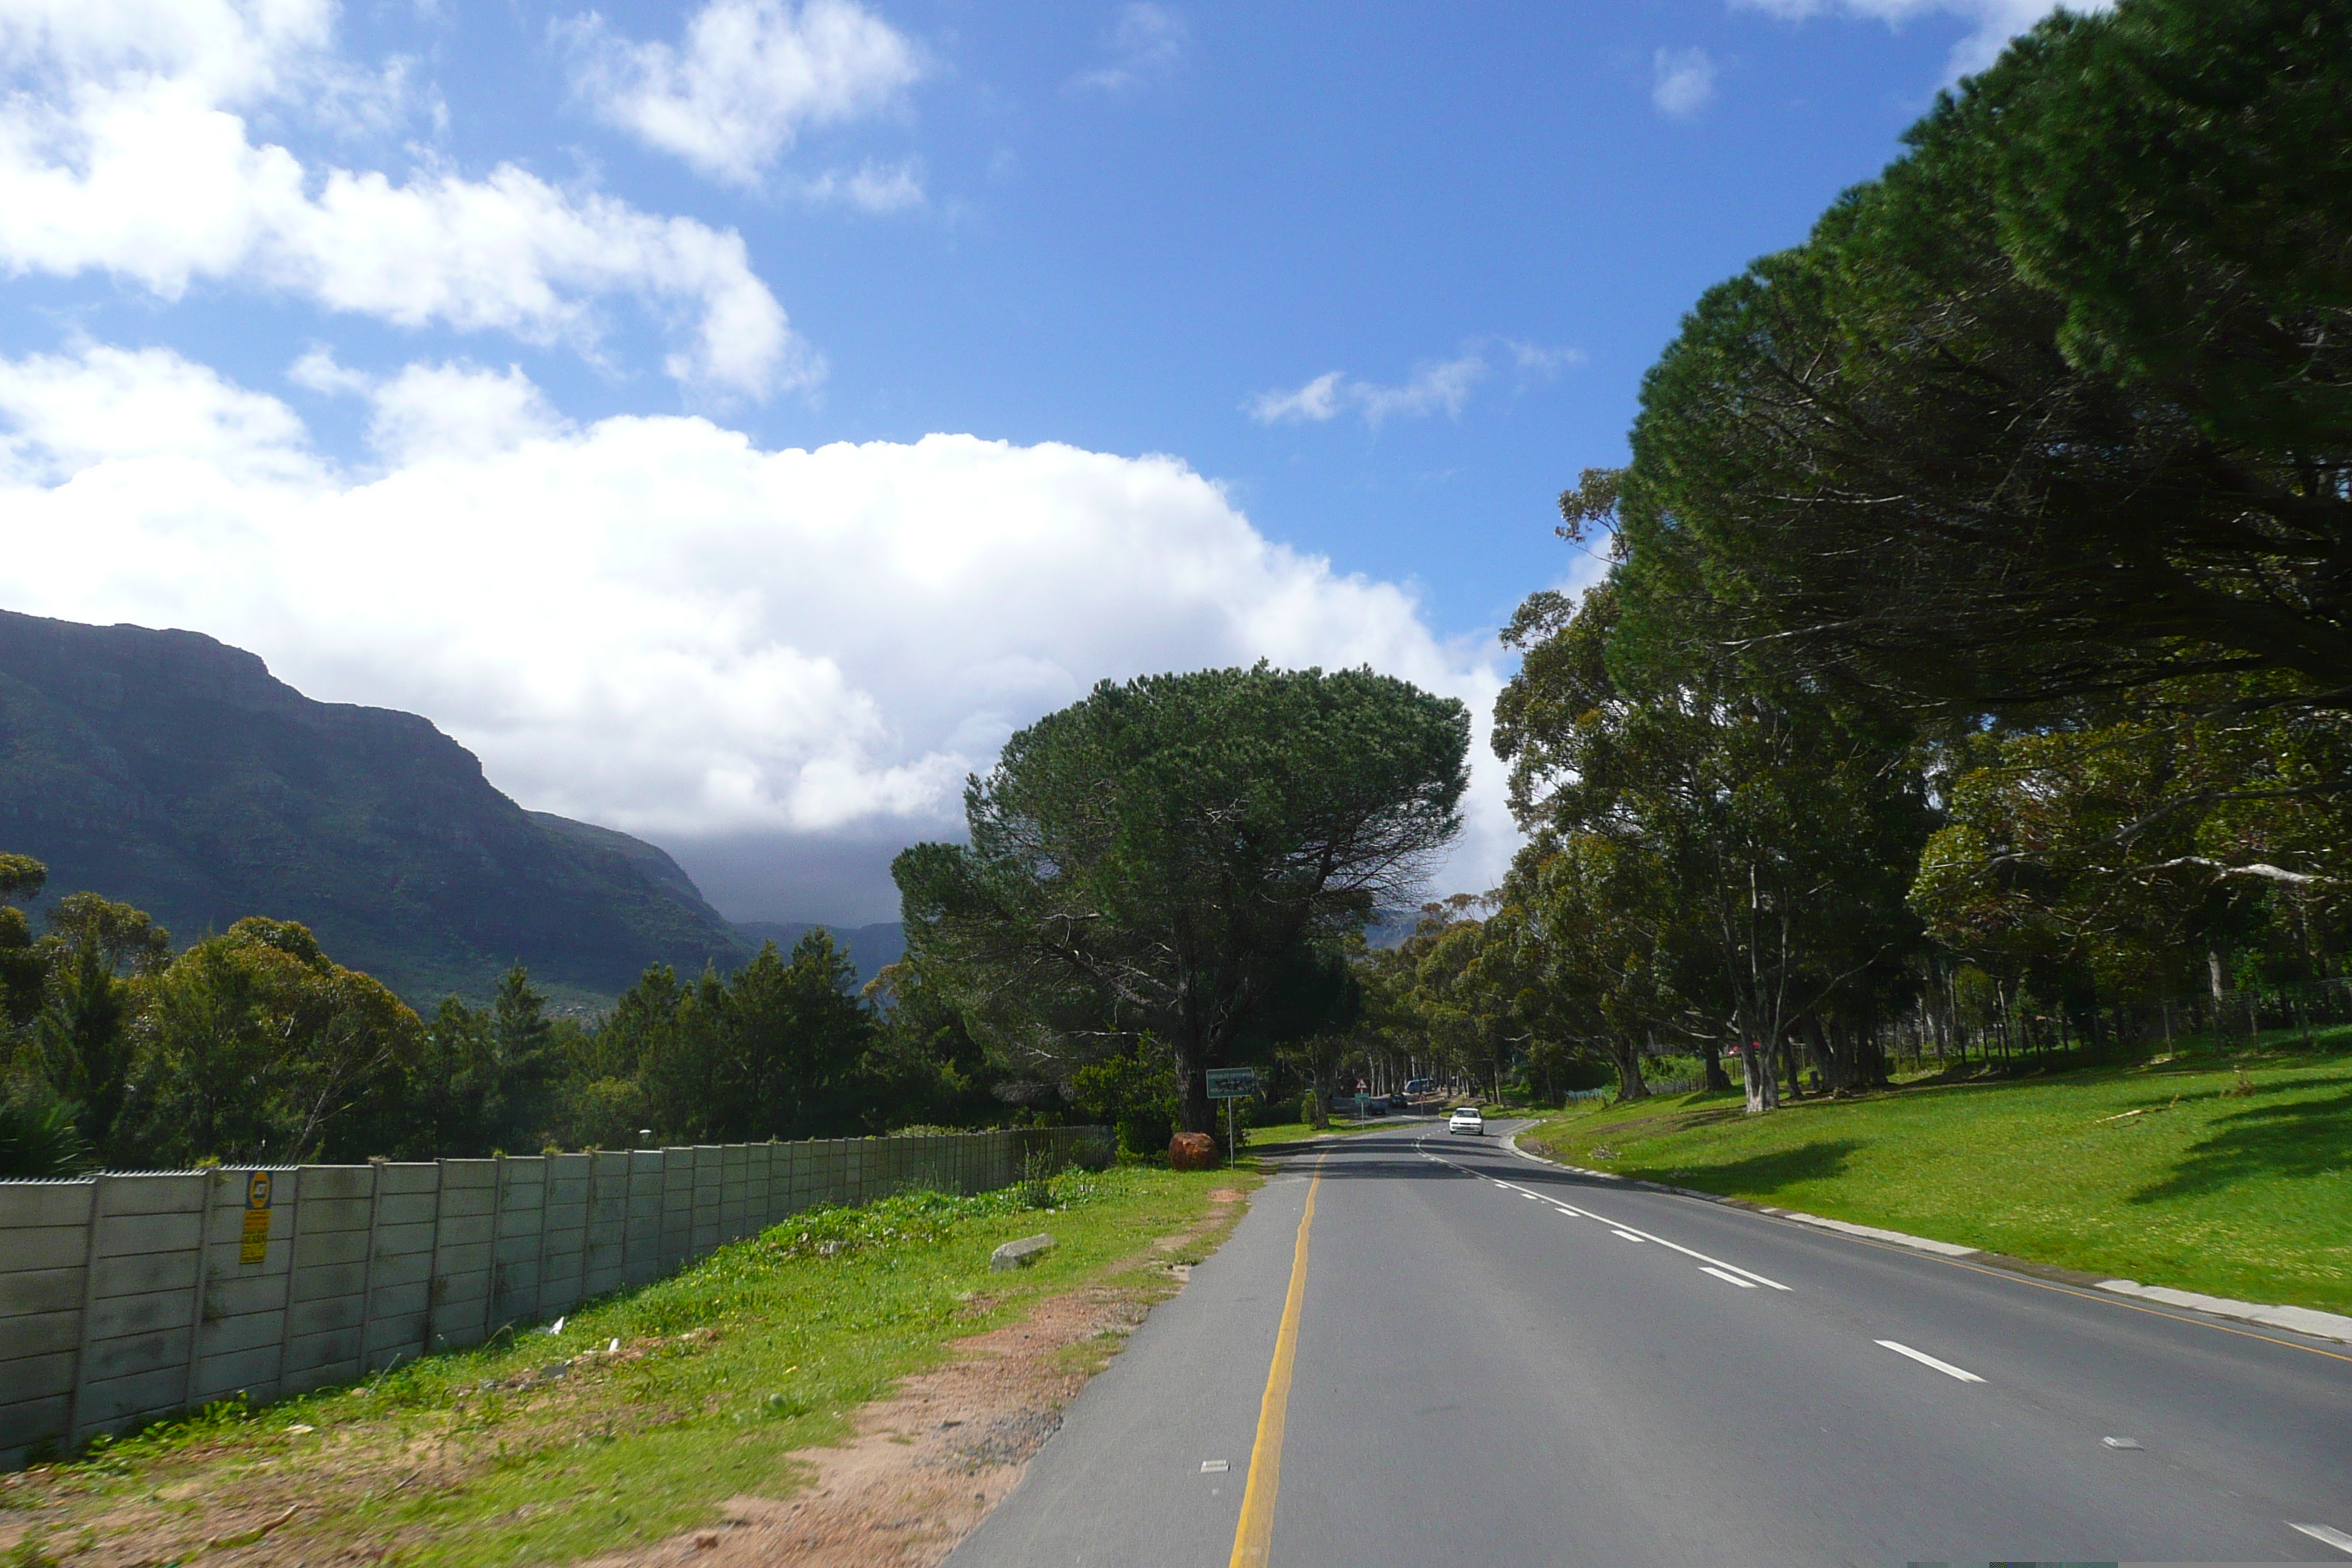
[(2295, 1320)]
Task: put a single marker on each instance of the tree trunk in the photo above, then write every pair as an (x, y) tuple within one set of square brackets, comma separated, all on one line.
[(1755, 1066), (1711, 1053), (1627, 1054), (1194, 1112)]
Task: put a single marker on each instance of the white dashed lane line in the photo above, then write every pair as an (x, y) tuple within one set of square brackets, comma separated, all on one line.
[(2331, 1536), (1630, 1233), (1924, 1359)]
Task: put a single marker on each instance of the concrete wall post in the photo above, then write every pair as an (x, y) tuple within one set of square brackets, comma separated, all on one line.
[(88, 1298)]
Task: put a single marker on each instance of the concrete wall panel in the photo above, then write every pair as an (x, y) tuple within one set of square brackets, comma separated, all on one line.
[(363, 1264)]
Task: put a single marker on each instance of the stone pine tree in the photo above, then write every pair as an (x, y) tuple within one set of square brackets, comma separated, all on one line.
[(1161, 861), (2059, 406)]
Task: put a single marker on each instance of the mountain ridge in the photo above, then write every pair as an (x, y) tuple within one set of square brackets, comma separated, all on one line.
[(169, 769)]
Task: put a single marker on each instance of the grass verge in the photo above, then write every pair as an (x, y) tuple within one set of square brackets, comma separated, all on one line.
[(647, 1411), (2232, 1176), (1283, 1132)]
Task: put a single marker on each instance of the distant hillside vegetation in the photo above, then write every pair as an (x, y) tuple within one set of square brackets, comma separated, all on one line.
[(172, 771)]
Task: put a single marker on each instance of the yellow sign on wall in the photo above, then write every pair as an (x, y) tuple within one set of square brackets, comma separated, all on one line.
[(254, 1243)]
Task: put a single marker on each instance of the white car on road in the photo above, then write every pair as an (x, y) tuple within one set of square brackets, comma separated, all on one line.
[(1468, 1120)]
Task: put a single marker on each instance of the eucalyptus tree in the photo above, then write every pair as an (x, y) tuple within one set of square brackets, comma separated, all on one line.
[(1165, 859), (255, 1046), (1774, 826)]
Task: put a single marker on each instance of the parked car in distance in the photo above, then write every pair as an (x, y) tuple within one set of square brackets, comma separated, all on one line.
[(1371, 1105), (1467, 1119), (1414, 1087), (1399, 1102)]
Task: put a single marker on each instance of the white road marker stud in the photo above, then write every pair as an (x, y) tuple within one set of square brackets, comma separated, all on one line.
[(2321, 1532), (2133, 1443), (1213, 1466), (1924, 1359), (1730, 1278), (1628, 1235)]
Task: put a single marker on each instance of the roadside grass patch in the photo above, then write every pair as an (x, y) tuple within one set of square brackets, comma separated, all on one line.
[(553, 1447), (2232, 1176), (1282, 1133)]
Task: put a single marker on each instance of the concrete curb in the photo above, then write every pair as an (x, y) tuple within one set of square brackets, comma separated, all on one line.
[(2295, 1320)]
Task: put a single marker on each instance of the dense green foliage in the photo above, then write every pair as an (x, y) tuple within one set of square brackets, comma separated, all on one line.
[(1169, 870), (1974, 665), (255, 1046), (2059, 407)]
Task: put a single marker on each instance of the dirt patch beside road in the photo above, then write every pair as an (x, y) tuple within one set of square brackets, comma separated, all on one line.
[(927, 1465)]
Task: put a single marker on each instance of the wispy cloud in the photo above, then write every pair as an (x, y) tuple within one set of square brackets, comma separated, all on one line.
[(1540, 359), (1440, 385), (1682, 82), (870, 187), (1435, 385), (1995, 21), (1146, 44)]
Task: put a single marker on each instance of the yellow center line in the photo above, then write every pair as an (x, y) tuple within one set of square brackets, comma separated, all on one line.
[(1253, 1537)]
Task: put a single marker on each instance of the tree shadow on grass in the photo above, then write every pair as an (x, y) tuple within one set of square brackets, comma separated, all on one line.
[(2300, 1138), (1819, 1160)]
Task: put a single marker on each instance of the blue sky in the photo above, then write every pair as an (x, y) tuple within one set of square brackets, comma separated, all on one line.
[(455, 357)]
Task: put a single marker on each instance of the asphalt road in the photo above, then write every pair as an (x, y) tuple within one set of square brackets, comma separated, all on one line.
[(1499, 1362)]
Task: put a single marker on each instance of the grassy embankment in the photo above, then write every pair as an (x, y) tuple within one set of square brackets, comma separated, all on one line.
[(2226, 1174), (483, 1457)]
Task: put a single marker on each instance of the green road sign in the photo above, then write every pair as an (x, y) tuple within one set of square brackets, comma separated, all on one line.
[(1232, 1083)]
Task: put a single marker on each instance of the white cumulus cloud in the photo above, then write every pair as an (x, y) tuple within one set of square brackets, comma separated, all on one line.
[(652, 623), (1682, 82), (1992, 22), (749, 74), (124, 149)]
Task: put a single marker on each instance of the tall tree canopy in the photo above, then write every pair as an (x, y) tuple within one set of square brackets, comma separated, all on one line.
[(1165, 859), (1720, 852), (2062, 404)]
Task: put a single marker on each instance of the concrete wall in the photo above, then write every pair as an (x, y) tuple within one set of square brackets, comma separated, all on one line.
[(127, 1296)]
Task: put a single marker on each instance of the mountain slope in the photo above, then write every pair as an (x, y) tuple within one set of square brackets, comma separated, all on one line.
[(173, 772)]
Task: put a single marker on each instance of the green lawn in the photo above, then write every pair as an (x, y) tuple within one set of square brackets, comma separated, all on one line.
[(2229, 1177), (479, 1458)]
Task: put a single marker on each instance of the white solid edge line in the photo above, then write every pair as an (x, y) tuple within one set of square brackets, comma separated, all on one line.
[(1924, 1359), (1730, 1278), (2320, 1532)]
